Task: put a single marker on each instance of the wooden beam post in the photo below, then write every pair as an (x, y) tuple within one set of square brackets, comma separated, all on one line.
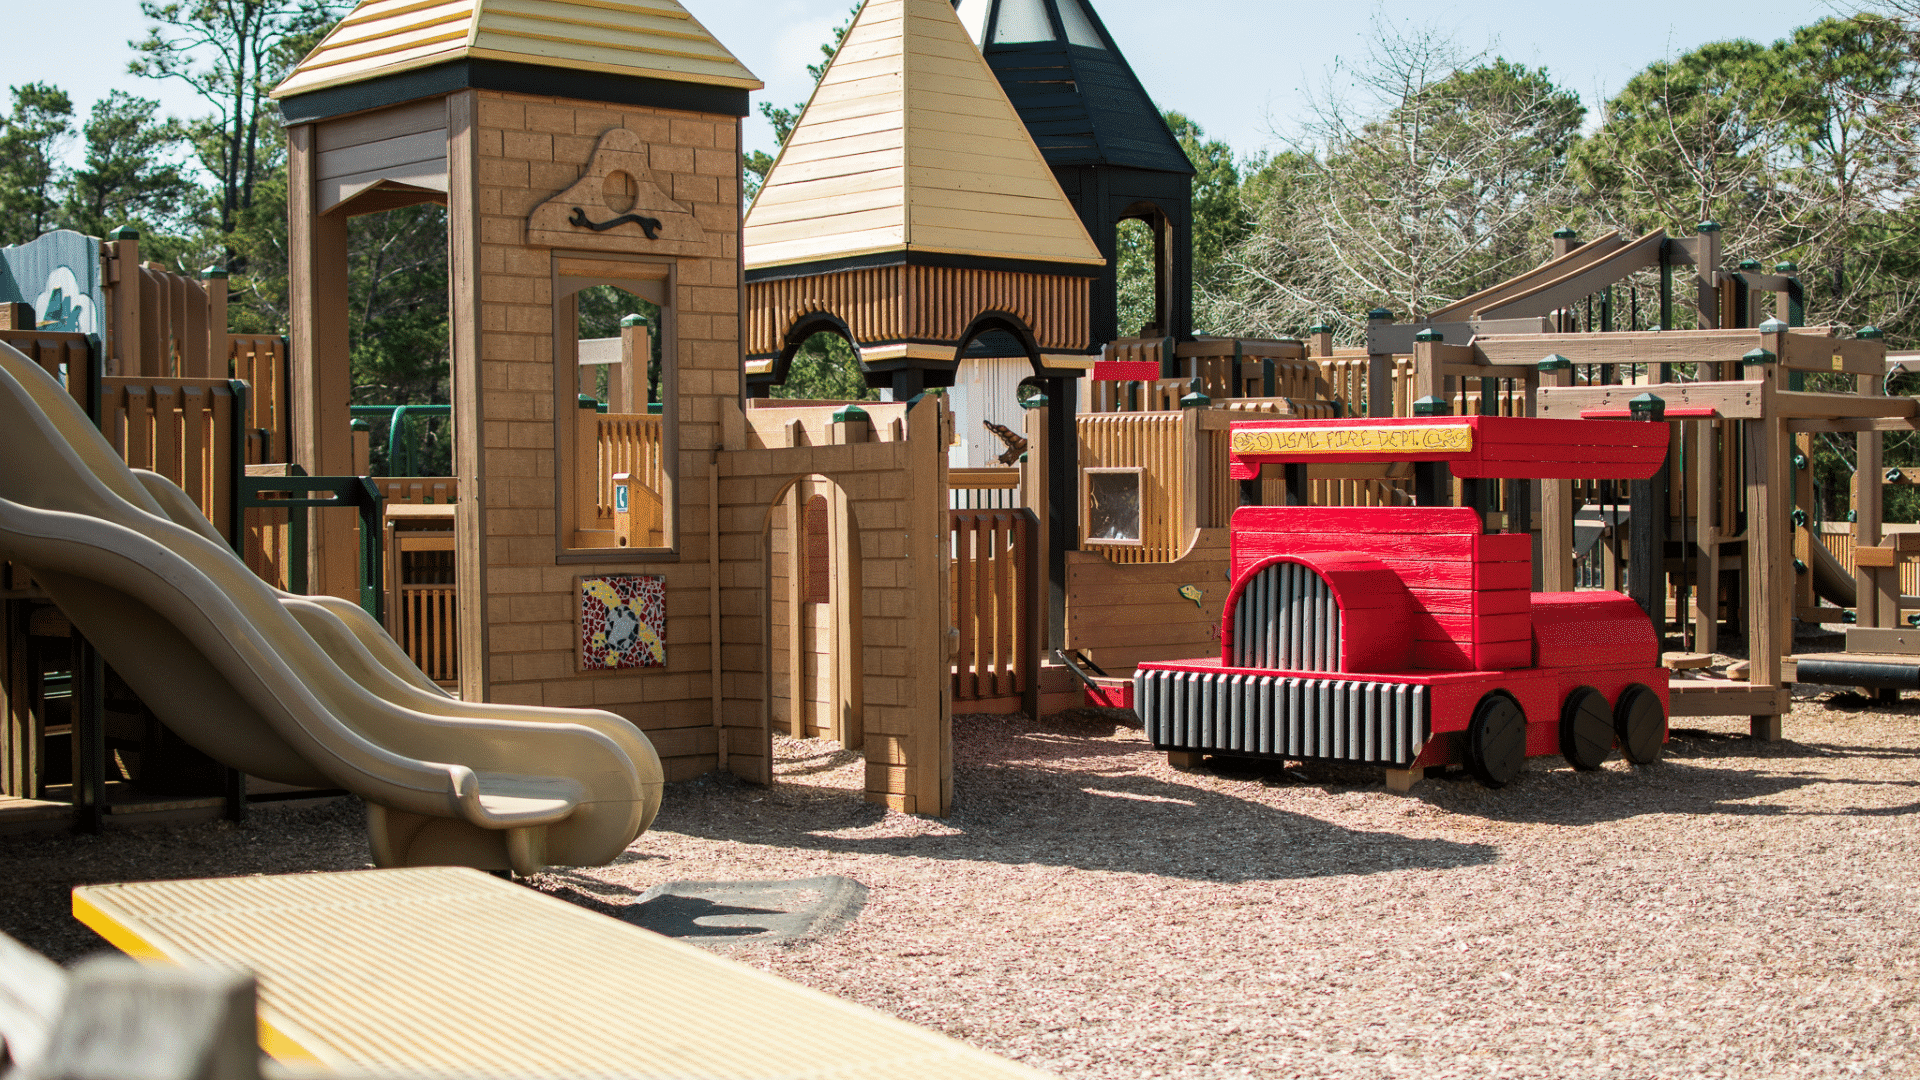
[(322, 374), (1769, 555)]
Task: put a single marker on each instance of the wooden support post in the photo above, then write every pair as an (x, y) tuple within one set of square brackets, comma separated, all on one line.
[(89, 736), (1401, 781), (322, 383), (1647, 530), (1062, 517), (1768, 565), (1299, 493), (1185, 759), (1706, 271), (1706, 535), (214, 280), (1804, 597), (23, 737), (1875, 603), (1556, 501)]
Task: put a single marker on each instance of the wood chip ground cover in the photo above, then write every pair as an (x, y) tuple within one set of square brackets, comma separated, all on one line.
[(1736, 910)]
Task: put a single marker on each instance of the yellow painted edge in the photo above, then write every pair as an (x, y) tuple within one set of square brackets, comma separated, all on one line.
[(273, 1041), (441, 56), (114, 931)]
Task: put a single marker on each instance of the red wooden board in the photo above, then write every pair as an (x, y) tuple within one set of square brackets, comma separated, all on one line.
[(1126, 370)]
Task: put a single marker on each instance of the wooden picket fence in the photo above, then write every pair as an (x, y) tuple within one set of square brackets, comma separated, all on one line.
[(994, 574)]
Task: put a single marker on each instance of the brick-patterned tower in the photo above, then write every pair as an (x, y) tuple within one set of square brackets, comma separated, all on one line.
[(574, 145)]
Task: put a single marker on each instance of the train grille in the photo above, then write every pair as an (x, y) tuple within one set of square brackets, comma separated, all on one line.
[(1379, 723), (1286, 618)]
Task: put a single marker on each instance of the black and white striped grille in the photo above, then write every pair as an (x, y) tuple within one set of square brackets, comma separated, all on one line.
[(1330, 719), (1286, 618)]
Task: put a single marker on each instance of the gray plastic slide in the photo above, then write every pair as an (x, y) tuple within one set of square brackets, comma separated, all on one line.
[(304, 690)]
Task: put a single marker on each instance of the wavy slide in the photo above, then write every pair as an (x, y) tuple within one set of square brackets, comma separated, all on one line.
[(304, 690)]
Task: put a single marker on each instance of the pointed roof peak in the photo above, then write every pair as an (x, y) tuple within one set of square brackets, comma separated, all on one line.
[(656, 39), (1071, 84), (910, 144)]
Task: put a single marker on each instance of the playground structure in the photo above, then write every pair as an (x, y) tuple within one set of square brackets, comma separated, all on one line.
[(782, 561)]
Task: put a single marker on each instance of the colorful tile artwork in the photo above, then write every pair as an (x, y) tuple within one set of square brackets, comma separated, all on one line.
[(623, 622)]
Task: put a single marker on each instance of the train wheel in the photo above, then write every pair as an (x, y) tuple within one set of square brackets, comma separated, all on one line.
[(1497, 739), (1640, 723), (1586, 729)]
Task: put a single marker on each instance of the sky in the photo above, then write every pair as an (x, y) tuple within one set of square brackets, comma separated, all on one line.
[(1246, 70)]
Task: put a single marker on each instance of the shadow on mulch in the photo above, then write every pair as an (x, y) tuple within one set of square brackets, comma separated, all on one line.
[(1059, 792)]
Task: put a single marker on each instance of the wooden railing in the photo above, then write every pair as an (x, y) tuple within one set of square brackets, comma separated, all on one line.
[(67, 357), (183, 429), (425, 626), (994, 568), (984, 489), (418, 490), (261, 360), (627, 443)]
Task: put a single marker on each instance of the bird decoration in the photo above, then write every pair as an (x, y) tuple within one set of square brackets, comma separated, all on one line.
[(1016, 442)]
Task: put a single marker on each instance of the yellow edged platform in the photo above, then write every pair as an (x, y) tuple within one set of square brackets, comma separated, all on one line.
[(450, 971)]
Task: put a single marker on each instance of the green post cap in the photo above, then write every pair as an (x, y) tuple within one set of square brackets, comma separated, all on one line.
[(1799, 460), (1707, 226), (1196, 396), (1773, 326), (1751, 264), (634, 320), (1799, 517), (1319, 328), (1648, 407), (1759, 356), (1786, 268), (1037, 401), (1379, 314), (1429, 334), (212, 272), (1799, 567), (1432, 406), (1565, 234), (850, 414), (655, 408), (124, 232), (1555, 362), (588, 401), (360, 425), (1868, 333), (1894, 476)]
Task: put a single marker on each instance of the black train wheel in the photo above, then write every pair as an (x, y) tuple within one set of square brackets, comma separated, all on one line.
[(1586, 729), (1497, 739), (1640, 723)]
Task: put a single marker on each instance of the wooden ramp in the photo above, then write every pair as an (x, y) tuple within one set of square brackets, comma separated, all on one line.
[(450, 972)]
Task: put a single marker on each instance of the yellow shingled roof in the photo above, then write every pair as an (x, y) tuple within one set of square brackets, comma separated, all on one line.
[(653, 38), (909, 143)]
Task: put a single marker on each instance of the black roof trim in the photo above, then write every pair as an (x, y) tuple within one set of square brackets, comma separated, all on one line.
[(516, 78)]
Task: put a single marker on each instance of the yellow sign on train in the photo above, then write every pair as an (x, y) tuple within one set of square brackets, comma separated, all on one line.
[(1355, 439)]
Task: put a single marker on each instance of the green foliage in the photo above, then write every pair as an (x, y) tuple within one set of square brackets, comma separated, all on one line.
[(231, 52), (132, 173), (825, 369), (397, 293), (31, 137)]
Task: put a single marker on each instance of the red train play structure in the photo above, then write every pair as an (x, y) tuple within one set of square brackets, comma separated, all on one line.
[(1408, 637)]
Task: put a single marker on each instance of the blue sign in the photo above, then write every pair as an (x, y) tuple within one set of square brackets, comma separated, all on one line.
[(59, 274)]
